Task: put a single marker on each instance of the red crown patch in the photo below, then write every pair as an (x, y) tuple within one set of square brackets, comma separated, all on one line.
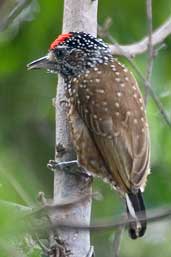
[(60, 39)]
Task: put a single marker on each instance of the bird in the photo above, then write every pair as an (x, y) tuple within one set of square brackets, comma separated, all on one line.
[(107, 117)]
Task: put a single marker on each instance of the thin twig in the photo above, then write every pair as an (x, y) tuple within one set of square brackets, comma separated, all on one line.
[(43, 247), (102, 225), (140, 47), (14, 206), (65, 203), (16, 185), (14, 13), (150, 48)]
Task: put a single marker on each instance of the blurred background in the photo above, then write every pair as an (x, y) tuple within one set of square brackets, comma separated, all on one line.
[(27, 119)]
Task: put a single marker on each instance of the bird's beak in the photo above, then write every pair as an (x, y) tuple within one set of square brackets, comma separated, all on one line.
[(41, 63)]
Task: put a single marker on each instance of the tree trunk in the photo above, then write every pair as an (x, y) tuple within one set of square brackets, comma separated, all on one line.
[(78, 16)]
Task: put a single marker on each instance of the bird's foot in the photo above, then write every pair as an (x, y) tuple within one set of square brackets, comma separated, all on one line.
[(64, 166), (71, 167)]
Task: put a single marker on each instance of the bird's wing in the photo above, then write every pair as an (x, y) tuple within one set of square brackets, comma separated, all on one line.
[(110, 104)]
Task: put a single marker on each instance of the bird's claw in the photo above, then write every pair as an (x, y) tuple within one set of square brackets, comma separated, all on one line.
[(71, 167), (53, 165), (65, 166)]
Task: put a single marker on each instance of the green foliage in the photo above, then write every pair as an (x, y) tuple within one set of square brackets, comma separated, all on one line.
[(27, 130)]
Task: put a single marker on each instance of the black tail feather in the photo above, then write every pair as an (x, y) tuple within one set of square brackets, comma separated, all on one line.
[(136, 211)]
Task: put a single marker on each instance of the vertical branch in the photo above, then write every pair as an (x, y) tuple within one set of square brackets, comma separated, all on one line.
[(78, 16), (150, 49)]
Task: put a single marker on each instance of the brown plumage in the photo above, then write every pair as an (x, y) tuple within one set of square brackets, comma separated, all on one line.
[(107, 117), (112, 116)]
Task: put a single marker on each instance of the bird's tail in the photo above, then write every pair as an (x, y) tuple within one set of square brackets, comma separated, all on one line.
[(136, 210)]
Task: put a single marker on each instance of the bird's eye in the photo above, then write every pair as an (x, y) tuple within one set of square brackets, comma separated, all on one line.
[(60, 52)]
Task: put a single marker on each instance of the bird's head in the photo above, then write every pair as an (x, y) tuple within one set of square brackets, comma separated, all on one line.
[(72, 53)]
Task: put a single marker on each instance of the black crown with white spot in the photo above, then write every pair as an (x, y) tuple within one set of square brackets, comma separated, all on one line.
[(85, 41)]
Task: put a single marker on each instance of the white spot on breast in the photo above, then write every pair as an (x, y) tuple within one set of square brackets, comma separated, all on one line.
[(117, 105), (101, 91), (71, 99), (117, 114), (73, 91), (121, 65), (122, 84), (128, 114), (100, 61), (88, 97), (106, 58), (97, 80), (135, 121), (119, 94), (109, 137), (116, 134), (104, 103), (135, 95), (117, 73), (95, 116), (112, 66), (125, 70), (117, 79), (126, 78)]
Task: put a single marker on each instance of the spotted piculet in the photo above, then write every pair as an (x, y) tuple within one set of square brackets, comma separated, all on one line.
[(107, 116)]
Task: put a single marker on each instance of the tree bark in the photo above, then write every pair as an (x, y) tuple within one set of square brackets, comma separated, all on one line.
[(78, 16)]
